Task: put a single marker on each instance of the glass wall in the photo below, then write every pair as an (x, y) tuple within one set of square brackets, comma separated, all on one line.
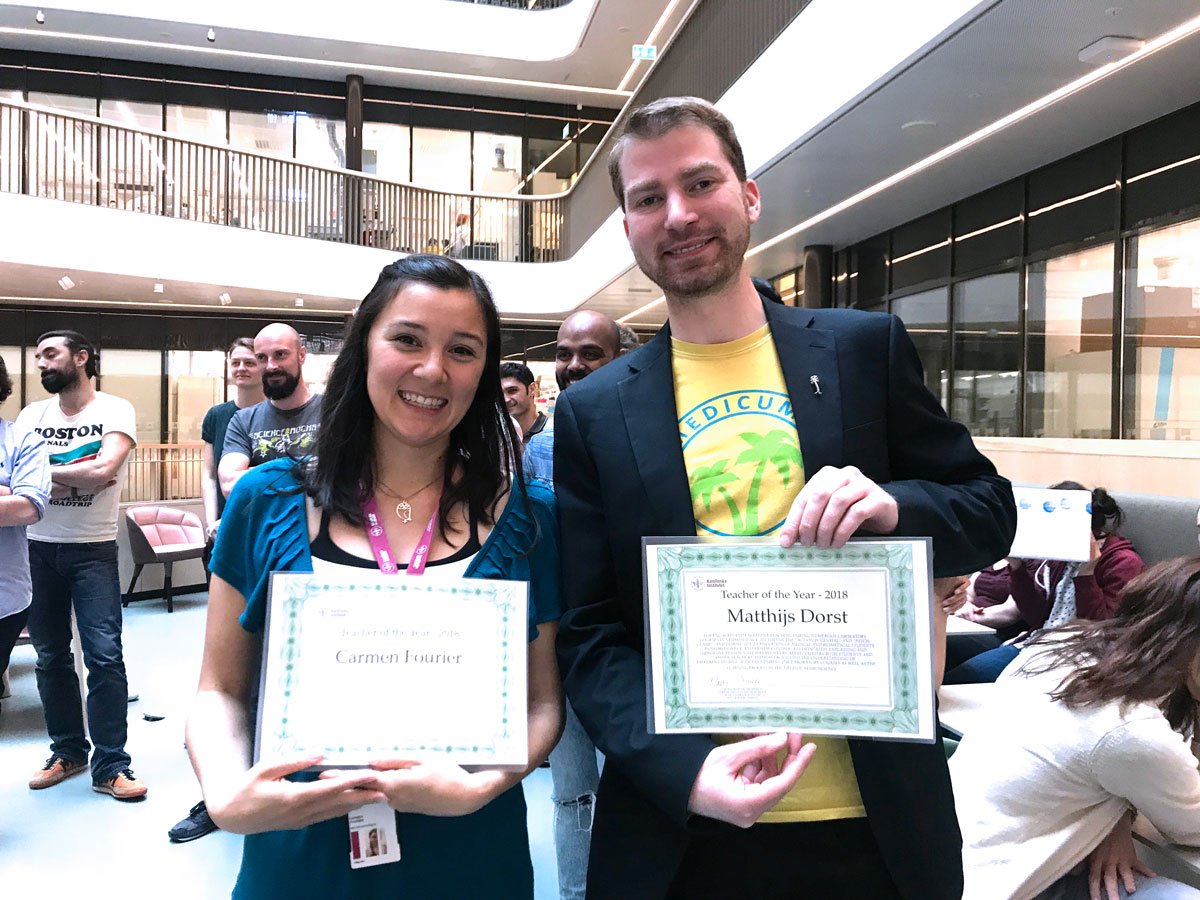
[(136, 375), (195, 382), (200, 194), (132, 175), (76, 180), (441, 159), (987, 354), (1162, 334), (321, 141), (496, 163), (386, 150), (12, 364), (33, 378), (529, 159), (1069, 345), (925, 316), (270, 131), (551, 165)]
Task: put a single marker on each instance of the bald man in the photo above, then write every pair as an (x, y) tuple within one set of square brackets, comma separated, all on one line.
[(587, 340), (286, 423)]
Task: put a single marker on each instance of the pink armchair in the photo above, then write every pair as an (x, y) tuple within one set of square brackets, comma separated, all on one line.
[(162, 534)]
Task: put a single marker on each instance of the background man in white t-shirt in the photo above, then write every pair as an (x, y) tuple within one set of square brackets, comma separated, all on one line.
[(73, 564)]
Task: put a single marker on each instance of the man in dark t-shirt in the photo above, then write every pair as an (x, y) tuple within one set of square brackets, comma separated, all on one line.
[(286, 423), (245, 375)]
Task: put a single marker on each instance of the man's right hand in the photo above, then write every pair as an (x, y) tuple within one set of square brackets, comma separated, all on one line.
[(739, 782), (210, 531)]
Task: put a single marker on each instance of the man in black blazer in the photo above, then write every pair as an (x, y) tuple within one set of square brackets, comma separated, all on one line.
[(679, 815)]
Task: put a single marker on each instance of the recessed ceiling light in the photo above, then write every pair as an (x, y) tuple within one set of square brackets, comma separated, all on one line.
[(918, 125), (299, 301), (212, 35), (40, 17), (225, 298), (158, 287), (66, 283)]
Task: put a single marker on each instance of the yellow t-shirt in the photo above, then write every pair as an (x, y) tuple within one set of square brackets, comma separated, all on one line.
[(742, 455)]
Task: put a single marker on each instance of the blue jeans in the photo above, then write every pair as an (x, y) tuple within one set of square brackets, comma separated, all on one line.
[(984, 668), (83, 576), (576, 778)]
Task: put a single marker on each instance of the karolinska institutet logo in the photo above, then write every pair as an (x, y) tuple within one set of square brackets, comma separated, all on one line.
[(755, 455)]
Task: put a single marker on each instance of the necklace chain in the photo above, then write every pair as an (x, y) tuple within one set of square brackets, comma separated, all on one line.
[(404, 508)]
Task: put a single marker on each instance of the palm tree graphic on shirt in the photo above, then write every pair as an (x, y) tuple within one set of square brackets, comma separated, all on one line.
[(709, 479), (776, 448)]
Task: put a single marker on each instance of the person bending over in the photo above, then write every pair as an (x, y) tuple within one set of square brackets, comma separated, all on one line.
[(1091, 723)]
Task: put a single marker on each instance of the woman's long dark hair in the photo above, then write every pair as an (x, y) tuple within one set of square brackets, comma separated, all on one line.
[(1144, 654), (484, 442)]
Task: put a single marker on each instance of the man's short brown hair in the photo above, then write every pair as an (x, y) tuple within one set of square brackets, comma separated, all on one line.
[(664, 115)]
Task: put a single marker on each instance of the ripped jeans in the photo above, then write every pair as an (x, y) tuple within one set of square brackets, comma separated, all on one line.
[(576, 777)]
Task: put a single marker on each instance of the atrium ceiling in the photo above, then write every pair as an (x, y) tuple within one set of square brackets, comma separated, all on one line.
[(578, 53), (832, 170)]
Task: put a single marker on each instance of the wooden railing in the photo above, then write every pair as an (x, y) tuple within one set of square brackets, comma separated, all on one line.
[(83, 159), (159, 472)]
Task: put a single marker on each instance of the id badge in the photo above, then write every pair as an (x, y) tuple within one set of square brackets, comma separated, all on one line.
[(373, 839)]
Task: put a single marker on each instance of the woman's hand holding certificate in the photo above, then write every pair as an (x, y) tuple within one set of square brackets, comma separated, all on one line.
[(265, 801), (430, 788)]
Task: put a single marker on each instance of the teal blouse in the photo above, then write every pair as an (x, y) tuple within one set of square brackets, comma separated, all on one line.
[(483, 855)]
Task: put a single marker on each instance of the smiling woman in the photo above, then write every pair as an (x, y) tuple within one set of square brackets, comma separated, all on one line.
[(416, 440)]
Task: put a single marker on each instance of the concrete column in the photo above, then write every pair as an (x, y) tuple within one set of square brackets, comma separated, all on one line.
[(354, 122), (818, 277)]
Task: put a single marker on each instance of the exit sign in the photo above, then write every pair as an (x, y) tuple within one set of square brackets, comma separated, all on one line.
[(645, 51)]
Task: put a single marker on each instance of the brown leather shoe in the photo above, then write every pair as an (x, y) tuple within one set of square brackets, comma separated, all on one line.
[(57, 768), (124, 786)]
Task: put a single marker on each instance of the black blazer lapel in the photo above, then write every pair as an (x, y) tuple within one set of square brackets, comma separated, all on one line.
[(806, 352), (648, 405)]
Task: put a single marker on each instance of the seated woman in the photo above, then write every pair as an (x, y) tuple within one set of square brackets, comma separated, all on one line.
[(413, 420), (1049, 593), (1091, 723)]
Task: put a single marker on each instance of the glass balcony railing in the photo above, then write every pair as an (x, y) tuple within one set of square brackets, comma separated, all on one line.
[(82, 159)]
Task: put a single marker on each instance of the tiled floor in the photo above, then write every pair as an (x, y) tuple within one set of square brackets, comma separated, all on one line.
[(70, 841)]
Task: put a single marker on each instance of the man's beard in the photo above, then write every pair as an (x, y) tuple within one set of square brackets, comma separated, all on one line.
[(56, 380), (280, 389), (706, 280)]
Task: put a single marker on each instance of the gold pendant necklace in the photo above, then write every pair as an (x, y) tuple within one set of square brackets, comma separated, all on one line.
[(404, 510)]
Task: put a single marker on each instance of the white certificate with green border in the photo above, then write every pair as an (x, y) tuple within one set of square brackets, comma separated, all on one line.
[(363, 668), (745, 636)]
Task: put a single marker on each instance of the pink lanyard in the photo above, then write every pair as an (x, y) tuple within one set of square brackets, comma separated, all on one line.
[(383, 550)]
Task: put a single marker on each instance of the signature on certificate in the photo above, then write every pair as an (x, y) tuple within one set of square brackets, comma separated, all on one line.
[(733, 680)]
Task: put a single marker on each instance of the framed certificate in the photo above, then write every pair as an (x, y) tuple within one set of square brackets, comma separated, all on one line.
[(747, 636), (387, 667)]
